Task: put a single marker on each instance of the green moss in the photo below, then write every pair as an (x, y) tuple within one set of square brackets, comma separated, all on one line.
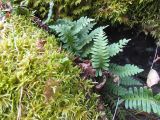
[(30, 62), (129, 12)]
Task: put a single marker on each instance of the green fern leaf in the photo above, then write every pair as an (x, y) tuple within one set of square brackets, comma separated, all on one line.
[(81, 23), (87, 50), (86, 39), (97, 31), (75, 35), (115, 89), (84, 36), (128, 81), (85, 43), (66, 36), (142, 99), (124, 71), (115, 48), (63, 22), (100, 57)]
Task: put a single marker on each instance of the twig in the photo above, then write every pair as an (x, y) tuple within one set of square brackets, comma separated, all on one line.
[(116, 104), (100, 85), (155, 55), (20, 105), (158, 58)]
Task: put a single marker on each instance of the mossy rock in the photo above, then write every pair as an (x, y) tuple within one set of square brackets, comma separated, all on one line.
[(39, 79)]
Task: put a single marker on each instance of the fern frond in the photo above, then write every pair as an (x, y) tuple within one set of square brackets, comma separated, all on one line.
[(57, 28), (115, 89), (87, 50), (142, 99), (86, 29), (89, 37), (66, 35), (100, 57), (128, 81), (97, 30), (74, 34), (115, 48), (82, 23), (84, 37), (63, 22), (124, 71)]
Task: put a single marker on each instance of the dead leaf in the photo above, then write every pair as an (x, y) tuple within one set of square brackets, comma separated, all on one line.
[(50, 89), (88, 70), (40, 23), (8, 14), (48, 92), (152, 78), (100, 85), (1, 5), (157, 59), (85, 64), (40, 45), (1, 25), (78, 60), (116, 79)]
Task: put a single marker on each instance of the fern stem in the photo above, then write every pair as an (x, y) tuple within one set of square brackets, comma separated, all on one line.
[(116, 109), (116, 104)]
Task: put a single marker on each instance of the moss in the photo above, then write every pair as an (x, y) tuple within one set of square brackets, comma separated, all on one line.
[(35, 75)]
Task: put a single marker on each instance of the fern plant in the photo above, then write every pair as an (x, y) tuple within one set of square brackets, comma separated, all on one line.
[(100, 55), (76, 35), (137, 98), (125, 74), (80, 39), (142, 99)]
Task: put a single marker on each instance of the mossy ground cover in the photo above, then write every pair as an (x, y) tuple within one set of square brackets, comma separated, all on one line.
[(37, 81)]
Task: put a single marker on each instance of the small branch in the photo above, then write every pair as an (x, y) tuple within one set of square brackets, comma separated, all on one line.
[(116, 109), (158, 58), (155, 55), (117, 103), (100, 85)]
